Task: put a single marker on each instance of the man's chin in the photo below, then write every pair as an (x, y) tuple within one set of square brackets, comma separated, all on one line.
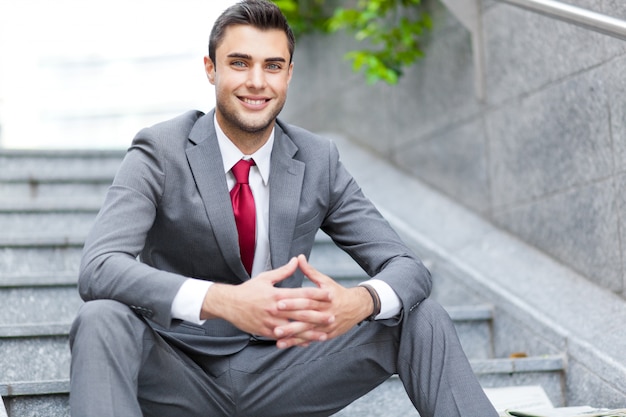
[(250, 123), (256, 125), (254, 128)]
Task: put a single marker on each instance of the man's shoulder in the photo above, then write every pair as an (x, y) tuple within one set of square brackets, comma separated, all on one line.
[(303, 138), (181, 124)]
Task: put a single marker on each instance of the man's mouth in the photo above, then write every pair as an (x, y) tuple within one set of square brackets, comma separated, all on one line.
[(256, 102)]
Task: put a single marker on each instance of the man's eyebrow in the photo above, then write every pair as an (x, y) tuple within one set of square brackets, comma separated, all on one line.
[(239, 55), (249, 57)]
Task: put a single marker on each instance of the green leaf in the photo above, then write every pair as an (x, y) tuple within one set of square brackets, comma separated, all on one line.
[(393, 27)]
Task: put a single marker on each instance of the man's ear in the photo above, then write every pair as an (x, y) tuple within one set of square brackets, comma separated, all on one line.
[(290, 73), (209, 68)]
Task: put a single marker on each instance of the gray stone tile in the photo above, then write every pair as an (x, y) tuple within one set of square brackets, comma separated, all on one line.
[(46, 224), (613, 8), (38, 305), (33, 406), (614, 81), (543, 292), (578, 227), (59, 164), (31, 359), (380, 116), (454, 161), (585, 386), (621, 210), (475, 338), (526, 51), (583, 352), (550, 381), (388, 399), (515, 333), (43, 260), (450, 287), (47, 190), (550, 141), (438, 91)]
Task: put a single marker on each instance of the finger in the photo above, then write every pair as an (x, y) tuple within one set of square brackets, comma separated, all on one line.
[(287, 343), (306, 322), (310, 317), (303, 293), (281, 273), (302, 339), (311, 273), (290, 329)]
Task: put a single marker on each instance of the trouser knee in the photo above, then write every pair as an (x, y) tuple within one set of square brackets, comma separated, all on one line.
[(104, 320), (429, 317)]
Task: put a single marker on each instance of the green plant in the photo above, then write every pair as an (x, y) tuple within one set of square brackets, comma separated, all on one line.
[(393, 30)]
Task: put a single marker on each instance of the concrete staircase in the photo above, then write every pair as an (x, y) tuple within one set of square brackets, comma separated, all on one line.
[(48, 200)]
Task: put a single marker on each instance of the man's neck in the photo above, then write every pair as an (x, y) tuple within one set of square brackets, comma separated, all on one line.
[(247, 142)]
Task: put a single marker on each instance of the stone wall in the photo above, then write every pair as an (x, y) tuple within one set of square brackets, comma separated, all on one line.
[(543, 156)]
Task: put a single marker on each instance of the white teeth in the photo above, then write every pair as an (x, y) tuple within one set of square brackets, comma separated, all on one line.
[(255, 102)]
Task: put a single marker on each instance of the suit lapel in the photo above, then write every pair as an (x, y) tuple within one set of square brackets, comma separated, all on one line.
[(286, 177), (205, 161)]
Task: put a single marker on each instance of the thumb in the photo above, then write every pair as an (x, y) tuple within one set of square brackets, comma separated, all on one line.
[(283, 272), (311, 273)]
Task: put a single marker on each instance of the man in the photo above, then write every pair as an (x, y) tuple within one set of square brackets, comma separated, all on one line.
[(195, 304)]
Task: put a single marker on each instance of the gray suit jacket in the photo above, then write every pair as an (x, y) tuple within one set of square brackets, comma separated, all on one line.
[(169, 208)]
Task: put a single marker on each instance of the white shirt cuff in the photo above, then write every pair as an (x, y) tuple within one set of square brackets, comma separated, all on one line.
[(390, 304), (188, 301)]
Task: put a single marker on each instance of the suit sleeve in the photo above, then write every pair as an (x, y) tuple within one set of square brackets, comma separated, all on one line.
[(109, 267), (358, 228)]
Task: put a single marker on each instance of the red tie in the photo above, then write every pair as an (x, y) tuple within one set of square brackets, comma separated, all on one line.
[(245, 213)]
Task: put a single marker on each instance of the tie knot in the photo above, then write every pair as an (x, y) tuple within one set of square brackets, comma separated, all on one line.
[(241, 170)]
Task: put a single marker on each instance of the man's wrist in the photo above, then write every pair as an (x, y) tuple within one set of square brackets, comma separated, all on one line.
[(188, 302), (212, 298), (375, 302)]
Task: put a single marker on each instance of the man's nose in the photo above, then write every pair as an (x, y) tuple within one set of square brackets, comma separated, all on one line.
[(256, 77)]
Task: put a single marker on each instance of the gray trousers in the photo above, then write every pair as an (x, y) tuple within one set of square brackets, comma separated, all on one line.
[(121, 367)]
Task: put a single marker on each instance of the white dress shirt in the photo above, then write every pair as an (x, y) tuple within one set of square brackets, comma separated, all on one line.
[(188, 301)]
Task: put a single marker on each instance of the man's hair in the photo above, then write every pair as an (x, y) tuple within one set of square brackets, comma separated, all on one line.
[(262, 14)]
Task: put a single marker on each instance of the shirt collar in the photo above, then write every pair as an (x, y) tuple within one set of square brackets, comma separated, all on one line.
[(231, 154)]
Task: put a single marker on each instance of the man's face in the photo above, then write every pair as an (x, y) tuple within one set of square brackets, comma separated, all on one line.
[(251, 75)]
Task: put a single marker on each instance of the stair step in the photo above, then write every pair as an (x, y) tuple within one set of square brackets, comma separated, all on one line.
[(474, 327), (35, 330), (45, 190), (42, 241), (39, 255), (36, 399), (46, 224), (23, 305), (48, 217), (44, 279), (329, 259), (75, 204), (19, 165), (35, 358), (389, 399), (48, 201), (41, 174), (22, 340), (546, 371)]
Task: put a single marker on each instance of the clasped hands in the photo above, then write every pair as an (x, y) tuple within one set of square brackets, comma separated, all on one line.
[(292, 316)]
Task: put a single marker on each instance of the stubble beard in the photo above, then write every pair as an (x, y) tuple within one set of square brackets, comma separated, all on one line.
[(238, 122)]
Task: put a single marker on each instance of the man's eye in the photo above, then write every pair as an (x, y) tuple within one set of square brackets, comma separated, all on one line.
[(238, 64), (273, 67)]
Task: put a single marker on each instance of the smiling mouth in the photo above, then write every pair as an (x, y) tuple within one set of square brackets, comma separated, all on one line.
[(254, 102)]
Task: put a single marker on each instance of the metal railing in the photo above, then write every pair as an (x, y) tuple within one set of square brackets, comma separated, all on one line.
[(597, 22), (470, 15)]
